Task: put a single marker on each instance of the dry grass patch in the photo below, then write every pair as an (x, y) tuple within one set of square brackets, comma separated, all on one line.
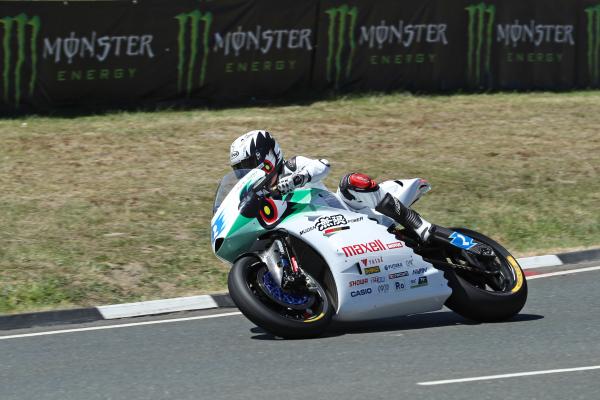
[(113, 208)]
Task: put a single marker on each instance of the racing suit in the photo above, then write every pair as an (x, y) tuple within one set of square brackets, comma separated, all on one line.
[(302, 171)]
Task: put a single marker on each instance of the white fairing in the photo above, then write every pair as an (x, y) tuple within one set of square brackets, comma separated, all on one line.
[(376, 275), (407, 191)]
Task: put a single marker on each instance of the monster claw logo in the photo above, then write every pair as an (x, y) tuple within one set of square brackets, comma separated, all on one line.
[(593, 41), (344, 19), (480, 40), (186, 70), (15, 35)]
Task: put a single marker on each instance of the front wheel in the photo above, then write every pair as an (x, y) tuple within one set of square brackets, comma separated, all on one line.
[(486, 298), (284, 314)]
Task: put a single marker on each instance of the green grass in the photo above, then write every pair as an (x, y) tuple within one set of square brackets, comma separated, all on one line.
[(104, 209)]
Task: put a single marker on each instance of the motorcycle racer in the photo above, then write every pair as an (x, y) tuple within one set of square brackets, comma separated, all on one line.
[(258, 149)]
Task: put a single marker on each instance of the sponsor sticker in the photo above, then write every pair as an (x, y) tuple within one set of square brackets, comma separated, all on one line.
[(353, 220), (361, 292), (377, 279), (421, 281), (400, 285), (371, 270), (390, 267), (330, 224), (461, 241), (363, 248), (371, 261), (330, 221), (398, 275), (419, 271), (383, 288), (218, 226), (309, 229), (332, 231), (394, 245), (358, 282)]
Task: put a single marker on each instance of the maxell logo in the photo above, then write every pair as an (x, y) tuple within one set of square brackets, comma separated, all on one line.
[(362, 248), (341, 26), (481, 24), (20, 33), (593, 42), (193, 26)]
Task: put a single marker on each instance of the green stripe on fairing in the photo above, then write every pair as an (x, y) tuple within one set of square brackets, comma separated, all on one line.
[(244, 230)]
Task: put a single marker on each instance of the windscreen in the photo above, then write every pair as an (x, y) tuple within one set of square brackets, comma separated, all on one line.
[(227, 183)]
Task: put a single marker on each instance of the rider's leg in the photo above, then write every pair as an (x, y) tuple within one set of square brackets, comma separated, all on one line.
[(362, 194), (407, 217)]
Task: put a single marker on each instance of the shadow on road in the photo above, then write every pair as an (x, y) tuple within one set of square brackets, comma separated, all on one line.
[(417, 321)]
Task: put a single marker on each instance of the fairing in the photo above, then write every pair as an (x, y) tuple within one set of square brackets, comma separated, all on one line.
[(376, 275)]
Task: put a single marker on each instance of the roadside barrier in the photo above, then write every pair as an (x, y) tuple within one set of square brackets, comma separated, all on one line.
[(150, 52)]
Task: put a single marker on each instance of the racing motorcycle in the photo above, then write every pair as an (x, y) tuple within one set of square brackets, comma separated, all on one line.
[(302, 259)]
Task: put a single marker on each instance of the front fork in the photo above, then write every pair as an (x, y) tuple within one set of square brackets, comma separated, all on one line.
[(283, 265)]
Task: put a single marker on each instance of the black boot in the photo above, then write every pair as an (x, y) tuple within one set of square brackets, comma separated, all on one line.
[(408, 218)]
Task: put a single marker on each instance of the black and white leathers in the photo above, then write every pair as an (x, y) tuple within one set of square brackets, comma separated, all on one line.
[(301, 171)]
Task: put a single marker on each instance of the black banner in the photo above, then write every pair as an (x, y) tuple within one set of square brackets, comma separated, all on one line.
[(119, 53), (123, 53)]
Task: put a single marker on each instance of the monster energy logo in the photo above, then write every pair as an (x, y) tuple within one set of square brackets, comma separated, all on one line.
[(15, 28), (186, 67), (480, 40), (344, 19), (593, 41)]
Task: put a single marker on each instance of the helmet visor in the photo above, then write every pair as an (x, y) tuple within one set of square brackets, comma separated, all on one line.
[(248, 163)]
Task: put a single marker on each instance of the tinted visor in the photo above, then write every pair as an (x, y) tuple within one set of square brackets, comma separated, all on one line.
[(248, 163)]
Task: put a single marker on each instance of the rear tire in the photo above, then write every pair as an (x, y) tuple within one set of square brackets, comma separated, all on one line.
[(259, 308), (482, 305)]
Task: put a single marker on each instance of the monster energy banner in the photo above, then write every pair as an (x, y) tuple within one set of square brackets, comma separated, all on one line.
[(119, 53)]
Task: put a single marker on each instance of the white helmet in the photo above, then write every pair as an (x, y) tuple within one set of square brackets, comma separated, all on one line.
[(256, 149)]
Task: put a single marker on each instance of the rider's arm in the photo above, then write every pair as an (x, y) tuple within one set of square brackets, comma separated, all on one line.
[(311, 170)]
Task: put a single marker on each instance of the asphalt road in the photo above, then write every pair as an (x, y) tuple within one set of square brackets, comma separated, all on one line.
[(228, 358)]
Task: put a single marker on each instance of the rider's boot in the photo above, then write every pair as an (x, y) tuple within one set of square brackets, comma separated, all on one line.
[(427, 232), (408, 218)]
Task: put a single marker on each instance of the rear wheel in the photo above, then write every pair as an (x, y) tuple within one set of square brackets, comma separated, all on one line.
[(487, 297), (281, 313)]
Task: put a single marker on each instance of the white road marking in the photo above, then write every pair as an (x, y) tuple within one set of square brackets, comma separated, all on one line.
[(539, 261), (515, 375), (157, 307), (567, 272), (104, 327), (166, 321)]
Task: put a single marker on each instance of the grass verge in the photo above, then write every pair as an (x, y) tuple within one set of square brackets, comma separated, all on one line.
[(114, 208)]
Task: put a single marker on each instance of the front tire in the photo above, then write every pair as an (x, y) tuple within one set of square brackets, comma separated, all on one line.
[(247, 288), (474, 299)]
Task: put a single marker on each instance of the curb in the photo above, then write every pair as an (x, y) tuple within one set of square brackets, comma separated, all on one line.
[(220, 300)]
